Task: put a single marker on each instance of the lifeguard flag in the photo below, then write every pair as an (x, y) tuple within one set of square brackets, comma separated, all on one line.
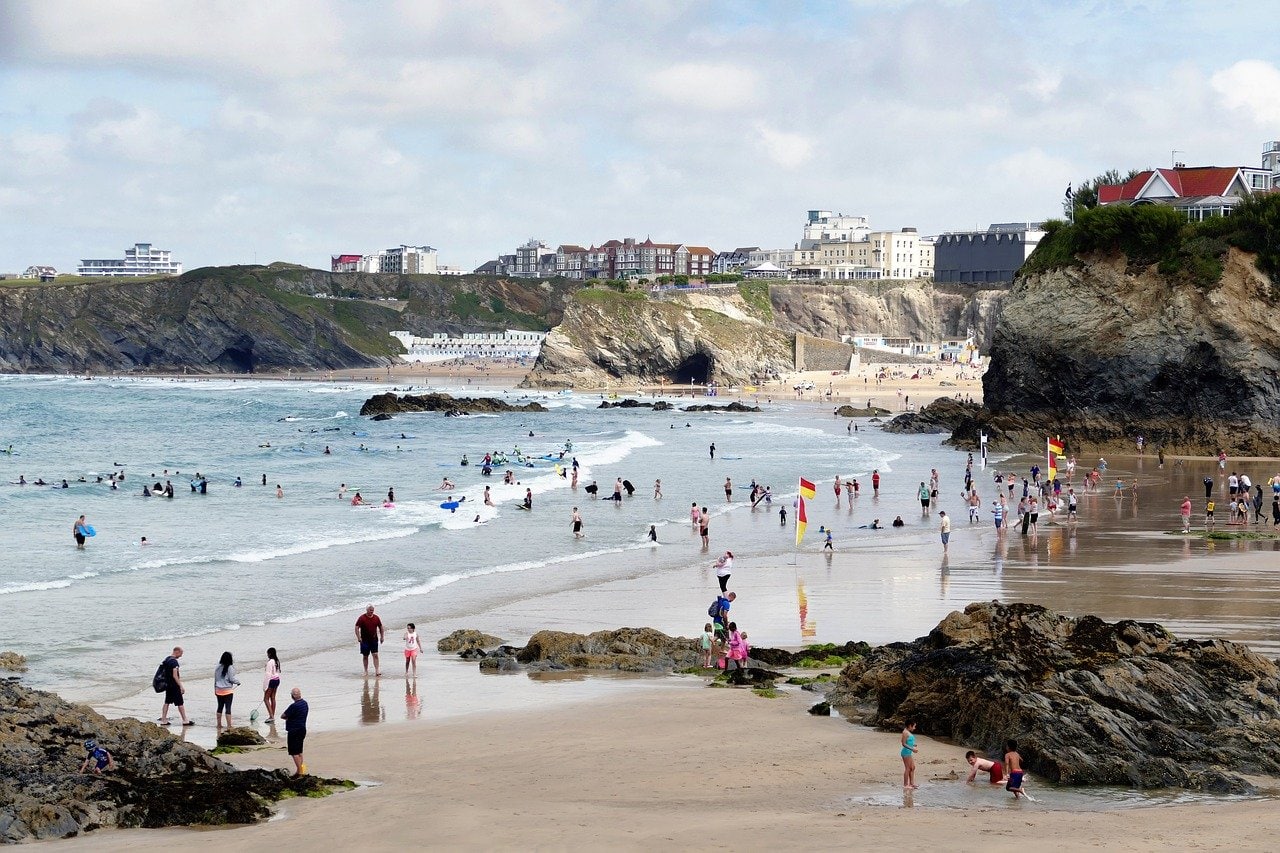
[(1055, 446), (802, 521), (807, 489)]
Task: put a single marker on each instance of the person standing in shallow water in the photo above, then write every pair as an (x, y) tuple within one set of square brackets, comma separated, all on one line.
[(713, 450), (908, 750)]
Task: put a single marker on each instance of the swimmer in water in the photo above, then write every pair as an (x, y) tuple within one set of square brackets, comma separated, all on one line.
[(653, 533), (357, 500), (446, 485)]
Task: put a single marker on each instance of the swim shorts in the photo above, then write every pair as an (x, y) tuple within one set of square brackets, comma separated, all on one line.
[(997, 772), (295, 741), (368, 647), (410, 654), (1015, 781)]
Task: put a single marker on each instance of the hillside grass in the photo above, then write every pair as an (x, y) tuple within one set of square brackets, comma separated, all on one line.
[(1160, 235), (756, 295)]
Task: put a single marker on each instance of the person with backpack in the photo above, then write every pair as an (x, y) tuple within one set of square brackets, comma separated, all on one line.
[(169, 682), (719, 612)]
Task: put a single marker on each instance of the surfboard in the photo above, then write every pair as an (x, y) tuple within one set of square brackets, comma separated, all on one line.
[(89, 531)]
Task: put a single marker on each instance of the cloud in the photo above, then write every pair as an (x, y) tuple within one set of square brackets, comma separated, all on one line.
[(705, 85), (1253, 86), (788, 150)]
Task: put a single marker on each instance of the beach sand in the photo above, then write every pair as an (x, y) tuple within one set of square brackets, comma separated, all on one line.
[(678, 768)]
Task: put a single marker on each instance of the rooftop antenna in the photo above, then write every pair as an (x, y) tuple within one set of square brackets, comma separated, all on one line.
[(1173, 156)]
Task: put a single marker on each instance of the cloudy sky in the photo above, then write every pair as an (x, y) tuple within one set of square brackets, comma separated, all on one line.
[(231, 132)]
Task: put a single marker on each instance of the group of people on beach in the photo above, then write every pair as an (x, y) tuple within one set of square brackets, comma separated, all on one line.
[(1243, 495), (995, 769)]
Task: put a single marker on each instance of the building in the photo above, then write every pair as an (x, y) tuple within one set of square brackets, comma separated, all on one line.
[(630, 258), (534, 260), (344, 263), (142, 259), (700, 261), (40, 272), (513, 344), (733, 262), (408, 260), (1198, 192), (823, 226), (985, 257)]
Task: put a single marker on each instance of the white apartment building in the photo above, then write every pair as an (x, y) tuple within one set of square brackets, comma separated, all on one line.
[(142, 259), (823, 226), (408, 260), (513, 343), (902, 254)]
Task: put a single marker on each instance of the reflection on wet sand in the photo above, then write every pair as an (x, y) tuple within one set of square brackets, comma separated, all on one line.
[(371, 710)]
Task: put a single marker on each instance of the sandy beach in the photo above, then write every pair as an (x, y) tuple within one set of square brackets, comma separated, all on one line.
[(678, 768)]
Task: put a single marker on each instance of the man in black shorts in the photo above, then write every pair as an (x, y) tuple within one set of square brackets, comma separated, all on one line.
[(369, 633), (295, 726), (173, 690)]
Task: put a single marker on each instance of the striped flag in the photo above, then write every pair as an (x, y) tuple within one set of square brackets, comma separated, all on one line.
[(807, 489), (802, 521), (1053, 450)]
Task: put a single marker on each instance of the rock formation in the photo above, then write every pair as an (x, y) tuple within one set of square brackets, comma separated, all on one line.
[(626, 649), (466, 638), (943, 415), (1102, 352), (159, 780), (389, 404), (1089, 702), (608, 337)]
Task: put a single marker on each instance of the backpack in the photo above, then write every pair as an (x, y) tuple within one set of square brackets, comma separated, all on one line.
[(716, 609), (160, 681)]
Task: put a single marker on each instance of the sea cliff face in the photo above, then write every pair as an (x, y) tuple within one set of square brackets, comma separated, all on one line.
[(1101, 352), (252, 319), (611, 337)]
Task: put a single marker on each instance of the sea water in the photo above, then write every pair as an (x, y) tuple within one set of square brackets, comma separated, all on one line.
[(240, 569)]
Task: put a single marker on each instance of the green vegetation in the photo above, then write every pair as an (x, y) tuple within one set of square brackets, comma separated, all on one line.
[(612, 296), (820, 678), (1157, 234), (227, 750), (1238, 534), (766, 692), (829, 662), (471, 307), (756, 295)]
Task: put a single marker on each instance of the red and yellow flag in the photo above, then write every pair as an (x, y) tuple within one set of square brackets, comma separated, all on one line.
[(802, 521), (807, 489)]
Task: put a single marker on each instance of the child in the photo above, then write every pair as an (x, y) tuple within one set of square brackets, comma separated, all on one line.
[(994, 769), (707, 637), (1013, 761), (782, 516), (98, 756), (736, 653), (1208, 513), (653, 533), (827, 545)]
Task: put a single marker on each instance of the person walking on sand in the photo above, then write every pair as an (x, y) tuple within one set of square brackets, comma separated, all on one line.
[(173, 688), (577, 524), (908, 750), (412, 648), (369, 633), (945, 529), (271, 683), (1185, 511), (295, 726), (224, 687), (80, 532), (724, 568)]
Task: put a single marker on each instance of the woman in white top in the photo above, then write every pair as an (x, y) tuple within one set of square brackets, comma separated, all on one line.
[(270, 683), (724, 568), (412, 648)]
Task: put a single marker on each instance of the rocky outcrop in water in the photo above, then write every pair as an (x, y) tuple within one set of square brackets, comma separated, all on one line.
[(158, 780), (1089, 702), (393, 404), (1102, 352), (944, 415)]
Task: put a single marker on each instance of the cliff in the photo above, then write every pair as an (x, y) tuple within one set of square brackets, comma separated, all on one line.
[(1103, 349), (917, 309), (252, 318), (608, 336)]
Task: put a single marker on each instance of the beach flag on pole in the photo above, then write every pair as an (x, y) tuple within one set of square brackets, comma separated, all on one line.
[(809, 491), (1053, 449)]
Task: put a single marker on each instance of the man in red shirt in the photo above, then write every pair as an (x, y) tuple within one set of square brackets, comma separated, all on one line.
[(875, 483), (369, 633)]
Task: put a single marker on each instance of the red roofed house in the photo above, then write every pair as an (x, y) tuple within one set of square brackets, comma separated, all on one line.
[(343, 263), (700, 260), (1198, 191)]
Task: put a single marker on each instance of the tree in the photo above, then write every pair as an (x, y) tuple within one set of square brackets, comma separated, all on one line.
[(1085, 196)]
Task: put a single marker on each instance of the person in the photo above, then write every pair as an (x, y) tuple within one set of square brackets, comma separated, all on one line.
[(264, 476), (728, 490), (369, 632), (704, 524), (1208, 487), (295, 726), (724, 568), (908, 752), (528, 500), (80, 532), (657, 490), (924, 498), (782, 516), (144, 541), (357, 500), (271, 683), (1013, 761), (98, 756), (591, 489), (239, 484), (617, 491), (446, 485), (977, 764), (713, 451), (898, 522), (391, 494), (224, 687), (737, 647), (719, 611), (693, 513), (945, 529), (1185, 512), (1208, 513), (975, 504), (412, 648), (173, 688), (653, 533), (1073, 504), (708, 634), (875, 483), (577, 524), (279, 491)]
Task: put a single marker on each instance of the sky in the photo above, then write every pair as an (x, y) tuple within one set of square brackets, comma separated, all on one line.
[(291, 130)]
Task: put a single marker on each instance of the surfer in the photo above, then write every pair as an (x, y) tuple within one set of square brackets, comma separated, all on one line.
[(357, 500), (653, 533), (79, 532), (391, 495), (591, 489), (464, 461), (238, 484), (577, 524), (528, 499), (488, 500), (342, 491), (327, 451), (446, 485)]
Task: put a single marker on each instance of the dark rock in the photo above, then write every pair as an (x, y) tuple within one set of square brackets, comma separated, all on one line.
[(662, 406), (753, 676), (735, 406), (626, 649), (388, 404), (240, 736), (159, 780), (466, 638), (847, 411), (473, 654), (822, 709), (782, 657), (1089, 702), (943, 415), (381, 416), (13, 662), (628, 403)]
